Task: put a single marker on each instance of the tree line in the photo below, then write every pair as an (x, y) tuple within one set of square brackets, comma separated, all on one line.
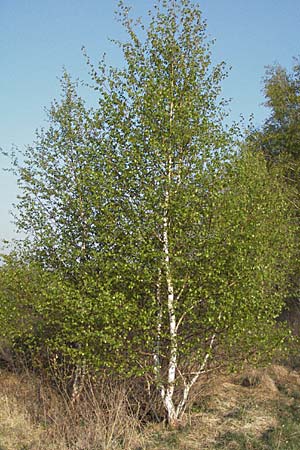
[(159, 244)]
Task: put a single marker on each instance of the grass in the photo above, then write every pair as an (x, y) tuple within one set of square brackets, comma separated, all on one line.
[(256, 410), (34, 416), (283, 407)]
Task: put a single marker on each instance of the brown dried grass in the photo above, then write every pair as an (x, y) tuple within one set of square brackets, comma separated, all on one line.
[(35, 416), (244, 404)]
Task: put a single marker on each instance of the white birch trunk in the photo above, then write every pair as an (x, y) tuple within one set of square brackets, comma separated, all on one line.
[(188, 385), (169, 391)]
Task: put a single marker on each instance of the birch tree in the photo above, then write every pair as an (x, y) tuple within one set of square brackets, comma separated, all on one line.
[(180, 202), (158, 227)]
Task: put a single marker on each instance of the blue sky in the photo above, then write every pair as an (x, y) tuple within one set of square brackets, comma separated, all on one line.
[(39, 37)]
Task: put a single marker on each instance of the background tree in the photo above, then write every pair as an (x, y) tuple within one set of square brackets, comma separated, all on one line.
[(279, 139), (59, 183), (150, 229)]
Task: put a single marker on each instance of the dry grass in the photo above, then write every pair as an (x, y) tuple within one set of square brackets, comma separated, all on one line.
[(35, 416), (229, 412), (239, 412), (17, 428)]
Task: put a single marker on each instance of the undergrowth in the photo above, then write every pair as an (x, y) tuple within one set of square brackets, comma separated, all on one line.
[(256, 410)]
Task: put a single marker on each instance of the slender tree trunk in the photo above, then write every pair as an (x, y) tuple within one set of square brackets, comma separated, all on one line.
[(78, 383), (169, 391), (188, 385)]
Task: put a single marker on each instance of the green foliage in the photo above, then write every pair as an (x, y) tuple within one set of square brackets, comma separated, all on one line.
[(149, 234), (279, 141), (281, 129), (51, 320), (249, 250)]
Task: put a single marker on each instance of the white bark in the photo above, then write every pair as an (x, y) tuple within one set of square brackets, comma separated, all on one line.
[(188, 385), (169, 391), (78, 383)]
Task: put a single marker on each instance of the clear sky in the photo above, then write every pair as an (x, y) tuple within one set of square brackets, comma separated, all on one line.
[(39, 37)]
